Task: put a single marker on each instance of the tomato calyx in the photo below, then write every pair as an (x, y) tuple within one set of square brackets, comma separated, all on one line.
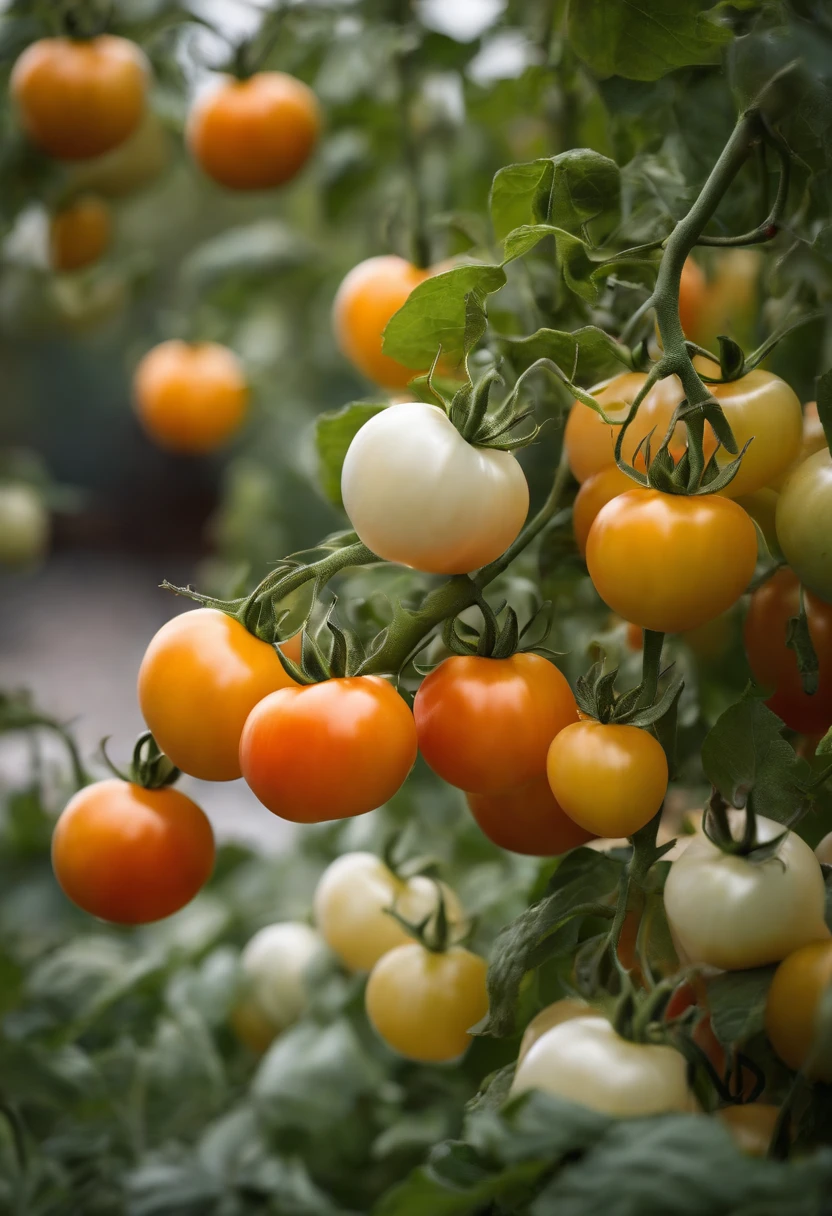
[(641, 706), (717, 828), (149, 766), (468, 411), (434, 932), (341, 657), (799, 639), (497, 640)]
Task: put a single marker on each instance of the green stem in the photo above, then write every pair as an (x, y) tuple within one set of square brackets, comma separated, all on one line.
[(650, 666), (279, 583)]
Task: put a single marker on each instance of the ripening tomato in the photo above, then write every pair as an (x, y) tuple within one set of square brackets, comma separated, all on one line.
[(129, 168), (330, 750), (423, 1002), (274, 968), (590, 442), (774, 665), (527, 819), (79, 233), (256, 133), (131, 855), (351, 902), (693, 290), (561, 1011), (669, 562), (610, 778), (368, 297), (584, 1060), (733, 912), (730, 299), (751, 1126), (417, 493), (598, 489), (804, 523), (763, 408), (190, 397), (80, 98), (485, 725), (690, 994), (24, 526), (793, 1008), (823, 849), (200, 678)]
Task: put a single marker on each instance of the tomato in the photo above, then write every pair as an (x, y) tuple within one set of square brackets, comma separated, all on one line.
[(762, 507), (527, 819), (79, 99), (252, 1028), (793, 1008), (274, 970), (417, 493), (730, 299), (804, 523), (351, 902), (200, 678), (131, 855), (293, 647), (693, 291), (751, 1126), (79, 233), (611, 779), (688, 995), (598, 489), (485, 725), (763, 408), (423, 1003), (190, 398), (590, 442), (133, 165), (732, 912), (254, 134), (669, 562), (24, 525), (330, 750), (775, 666), (823, 850), (561, 1011), (585, 1061), (368, 297)]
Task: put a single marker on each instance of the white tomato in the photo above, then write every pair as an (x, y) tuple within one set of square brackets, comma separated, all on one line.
[(275, 968)]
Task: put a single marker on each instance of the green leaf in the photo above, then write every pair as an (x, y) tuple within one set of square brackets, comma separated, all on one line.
[(573, 257), (520, 195), (737, 1003), (254, 252), (437, 315), (735, 746), (334, 432), (643, 39), (587, 354), (574, 190)]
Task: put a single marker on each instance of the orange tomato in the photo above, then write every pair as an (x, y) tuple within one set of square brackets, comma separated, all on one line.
[(200, 678), (527, 819), (762, 408), (78, 99), (669, 562), (131, 855), (485, 725), (79, 233), (751, 1125), (775, 666), (692, 295), (330, 750), (366, 300), (598, 489), (190, 398), (793, 1006), (254, 134)]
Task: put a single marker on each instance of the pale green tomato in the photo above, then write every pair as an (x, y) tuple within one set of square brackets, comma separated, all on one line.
[(804, 523), (733, 913), (586, 1061), (275, 966), (24, 525)]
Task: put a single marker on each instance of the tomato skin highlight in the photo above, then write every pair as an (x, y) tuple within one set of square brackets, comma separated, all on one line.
[(598, 489), (792, 1008), (485, 725), (762, 408), (190, 398), (527, 819), (328, 751), (78, 99), (669, 562), (130, 855), (254, 134), (350, 905), (560, 1011), (200, 678), (79, 234), (368, 297), (417, 493), (422, 1004), (804, 523), (611, 779), (774, 665)]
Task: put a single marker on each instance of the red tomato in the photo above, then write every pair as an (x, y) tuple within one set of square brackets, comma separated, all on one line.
[(528, 820), (131, 855), (485, 725), (330, 750)]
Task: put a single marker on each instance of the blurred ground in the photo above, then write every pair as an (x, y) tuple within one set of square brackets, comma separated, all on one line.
[(73, 633)]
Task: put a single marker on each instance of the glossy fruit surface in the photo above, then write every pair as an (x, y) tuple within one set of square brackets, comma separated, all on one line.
[(190, 398), (804, 523), (417, 493), (560, 1011), (774, 664), (330, 750), (527, 819), (200, 678), (79, 233), (366, 300), (423, 1004), (598, 489), (590, 442), (693, 290), (793, 1009), (351, 902), (762, 408), (485, 725), (668, 562), (611, 779), (131, 855), (78, 99), (256, 133)]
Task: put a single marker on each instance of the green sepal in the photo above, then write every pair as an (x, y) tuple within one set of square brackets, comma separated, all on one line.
[(731, 358), (149, 766), (799, 640)]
